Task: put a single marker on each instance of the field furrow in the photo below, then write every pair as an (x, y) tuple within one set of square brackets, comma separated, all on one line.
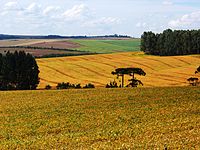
[(96, 69), (62, 73)]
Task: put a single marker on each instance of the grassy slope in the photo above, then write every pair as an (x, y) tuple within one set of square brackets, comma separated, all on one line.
[(161, 71), (141, 118), (108, 46), (97, 45)]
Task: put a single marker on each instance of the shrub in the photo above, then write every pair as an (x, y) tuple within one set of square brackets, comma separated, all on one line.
[(68, 85), (48, 87), (78, 86), (112, 84), (193, 81), (63, 85), (89, 85)]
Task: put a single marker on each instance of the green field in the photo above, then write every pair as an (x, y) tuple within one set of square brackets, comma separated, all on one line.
[(109, 46), (140, 118)]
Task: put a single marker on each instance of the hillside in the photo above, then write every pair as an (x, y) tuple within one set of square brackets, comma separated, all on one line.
[(140, 118), (69, 47), (161, 71), (108, 45)]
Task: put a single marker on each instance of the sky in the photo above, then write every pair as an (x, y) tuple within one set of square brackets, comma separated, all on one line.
[(97, 17)]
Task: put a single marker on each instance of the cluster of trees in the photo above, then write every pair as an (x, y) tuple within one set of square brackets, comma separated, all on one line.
[(67, 85), (18, 71), (168, 43), (193, 80), (121, 72), (198, 70)]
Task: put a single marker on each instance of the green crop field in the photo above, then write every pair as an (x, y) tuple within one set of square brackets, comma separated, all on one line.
[(108, 46), (139, 118)]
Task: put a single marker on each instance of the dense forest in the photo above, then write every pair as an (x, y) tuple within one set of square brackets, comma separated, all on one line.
[(18, 71), (169, 43)]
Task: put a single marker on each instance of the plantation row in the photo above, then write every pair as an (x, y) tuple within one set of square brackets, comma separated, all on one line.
[(168, 43)]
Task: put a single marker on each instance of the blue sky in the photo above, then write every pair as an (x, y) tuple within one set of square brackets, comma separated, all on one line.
[(97, 17)]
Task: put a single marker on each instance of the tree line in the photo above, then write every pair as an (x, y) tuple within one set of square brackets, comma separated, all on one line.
[(170, 43), (5, 36), (193, 80), (18, 71)]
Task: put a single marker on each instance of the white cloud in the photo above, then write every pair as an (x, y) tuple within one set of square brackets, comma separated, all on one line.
[(50, 9), (76, 12), (141, 25), (104, 21), (167, 2), (33, 8), (188, 20), (11, 6)]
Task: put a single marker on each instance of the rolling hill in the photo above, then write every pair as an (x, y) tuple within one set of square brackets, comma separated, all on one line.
[(96, 69), (108, 45), (68, 47)]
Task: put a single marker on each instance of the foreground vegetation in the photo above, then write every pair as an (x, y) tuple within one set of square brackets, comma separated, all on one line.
[(142, 118)]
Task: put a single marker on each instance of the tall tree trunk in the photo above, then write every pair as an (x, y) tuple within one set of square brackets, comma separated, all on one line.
[(123, 80)]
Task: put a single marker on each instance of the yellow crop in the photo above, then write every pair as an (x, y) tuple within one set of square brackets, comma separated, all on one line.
[(96, 69), (131, 118)]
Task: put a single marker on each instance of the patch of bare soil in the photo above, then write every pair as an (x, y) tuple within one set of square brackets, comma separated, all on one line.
[(57, 44)]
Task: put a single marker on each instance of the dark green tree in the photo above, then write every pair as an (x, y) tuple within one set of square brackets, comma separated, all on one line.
[(112, 84), (198, 70), (129, 71), (148, 42), (19, 71), (132, 71), (177, 42), (89, 85), (120, 72), (193, 81)]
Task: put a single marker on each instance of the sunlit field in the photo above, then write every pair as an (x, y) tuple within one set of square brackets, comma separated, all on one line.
[(138, 118), (96, 69)]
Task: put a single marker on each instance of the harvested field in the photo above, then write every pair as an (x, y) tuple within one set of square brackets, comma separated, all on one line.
[(96, 69), (36, 52), (24, 42), (57, 44)]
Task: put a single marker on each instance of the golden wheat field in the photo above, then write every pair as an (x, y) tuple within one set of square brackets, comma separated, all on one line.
[(96, 69), (131, 118)]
